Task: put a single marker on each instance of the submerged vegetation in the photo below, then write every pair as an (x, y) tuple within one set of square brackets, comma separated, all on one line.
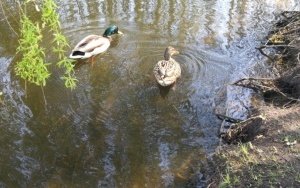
[(32, 66)]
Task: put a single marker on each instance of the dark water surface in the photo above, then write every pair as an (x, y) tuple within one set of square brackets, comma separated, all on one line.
[(115, 129)]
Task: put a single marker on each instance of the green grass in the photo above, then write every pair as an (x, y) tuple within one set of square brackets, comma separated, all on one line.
[(246, 167), (226, 180)]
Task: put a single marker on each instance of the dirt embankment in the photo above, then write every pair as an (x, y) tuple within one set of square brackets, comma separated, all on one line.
[(264, 150)]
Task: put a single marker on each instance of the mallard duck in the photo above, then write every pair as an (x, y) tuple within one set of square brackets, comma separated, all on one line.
[(94, 44), (167, 71)]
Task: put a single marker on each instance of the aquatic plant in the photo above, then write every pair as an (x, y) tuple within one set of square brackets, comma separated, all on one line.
[(32, 66)]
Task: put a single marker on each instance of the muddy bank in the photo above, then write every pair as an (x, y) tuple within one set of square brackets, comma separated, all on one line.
[(282, 89), (262, 150)]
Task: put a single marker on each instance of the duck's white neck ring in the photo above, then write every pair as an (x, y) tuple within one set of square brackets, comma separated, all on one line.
[(109, 37)]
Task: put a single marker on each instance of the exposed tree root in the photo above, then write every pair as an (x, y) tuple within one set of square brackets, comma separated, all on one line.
[(285, 37), (262, 84), (243, 131)]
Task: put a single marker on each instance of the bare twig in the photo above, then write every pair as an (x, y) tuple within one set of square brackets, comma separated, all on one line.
[(290, 31), (274, 46), (7, 20), (264, 54), (44, 97), (228, 119), (239, 83), (252, 79)]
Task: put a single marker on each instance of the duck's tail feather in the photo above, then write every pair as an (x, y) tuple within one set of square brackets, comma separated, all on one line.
[(80, 55)]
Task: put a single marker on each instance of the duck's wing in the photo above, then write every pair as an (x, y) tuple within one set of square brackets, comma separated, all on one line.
[(166, 72), (89, 46), (91, 42), (174, 69), (159, 69)]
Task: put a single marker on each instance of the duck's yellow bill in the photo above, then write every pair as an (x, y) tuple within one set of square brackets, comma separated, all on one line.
[(120, 33)]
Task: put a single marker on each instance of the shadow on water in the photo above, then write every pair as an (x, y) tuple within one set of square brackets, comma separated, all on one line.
[(117, 128), (164, 91), (80, 62)]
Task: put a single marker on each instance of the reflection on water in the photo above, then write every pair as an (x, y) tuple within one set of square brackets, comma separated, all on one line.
[(115, 129)]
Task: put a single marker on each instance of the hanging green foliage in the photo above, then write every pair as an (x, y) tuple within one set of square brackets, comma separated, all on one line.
[(32, 67)]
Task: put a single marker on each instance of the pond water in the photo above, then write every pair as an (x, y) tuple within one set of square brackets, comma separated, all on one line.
[(115, 129)]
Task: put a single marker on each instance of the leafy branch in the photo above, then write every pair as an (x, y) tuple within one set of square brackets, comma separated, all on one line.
[(51, 18), (32, 67)]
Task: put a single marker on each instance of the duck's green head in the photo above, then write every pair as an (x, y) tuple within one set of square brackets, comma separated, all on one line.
[(111, 30)]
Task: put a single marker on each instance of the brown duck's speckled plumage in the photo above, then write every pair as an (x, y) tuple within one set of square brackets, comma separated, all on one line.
[(167, 71)]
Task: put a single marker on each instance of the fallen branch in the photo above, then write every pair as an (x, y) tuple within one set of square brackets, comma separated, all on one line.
[(252, 79), (256, 86), (228, 119), (251, 85)]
